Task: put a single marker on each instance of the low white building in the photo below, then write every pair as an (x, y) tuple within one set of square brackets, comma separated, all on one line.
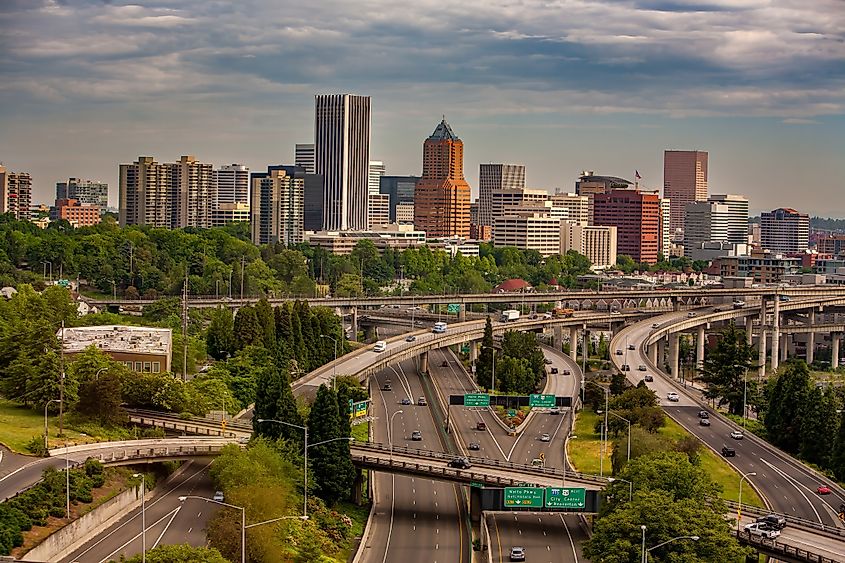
[(530, 231), (140, 348)]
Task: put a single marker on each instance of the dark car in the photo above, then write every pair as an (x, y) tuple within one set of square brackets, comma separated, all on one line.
[(553, 370), (626, 367), (631, 347), (619, 352), (416, 435), (481, 426), (405, 401), (422, 402), (728, 452), (410, 338), (474, 446), (386, 387), (444, 364), (567, 372), (648, 378), (703, 414), (460, 463), (774, 521)]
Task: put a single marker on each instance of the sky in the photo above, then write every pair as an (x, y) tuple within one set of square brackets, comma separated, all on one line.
[(558, 85)]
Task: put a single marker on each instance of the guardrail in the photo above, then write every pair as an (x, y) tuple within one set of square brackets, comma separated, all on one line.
[(793, 521), (230, 422), (778, 549), (168, 452)]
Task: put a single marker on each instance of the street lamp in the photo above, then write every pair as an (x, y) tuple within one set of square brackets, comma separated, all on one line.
[(630, 485), (642, 550), (143, 517), (46, 444), (493, 377), (276, 520), (243, 519), (604, 427), (645, 556), (390, 433), (739, 507), (305, 463), (334, 364), (629, 430)]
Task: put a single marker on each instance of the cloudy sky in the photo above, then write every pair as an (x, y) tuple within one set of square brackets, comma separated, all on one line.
[(559, 85)]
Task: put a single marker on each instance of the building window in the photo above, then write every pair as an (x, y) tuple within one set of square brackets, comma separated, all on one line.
[(138, 366), (156, 367), (147, 366)]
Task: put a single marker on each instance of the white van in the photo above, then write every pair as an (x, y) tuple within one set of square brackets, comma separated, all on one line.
[(439, 328), (380, 346)]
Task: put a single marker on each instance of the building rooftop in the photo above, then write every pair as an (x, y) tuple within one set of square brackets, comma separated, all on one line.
[(612, 180), (443, 133), (118, 338)]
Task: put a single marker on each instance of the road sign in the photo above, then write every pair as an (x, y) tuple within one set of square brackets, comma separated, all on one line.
[(546, 401), (526, 497), (477, 485), (476, 400), (557, 497), (358, 409), (453, 308), (511, 413)]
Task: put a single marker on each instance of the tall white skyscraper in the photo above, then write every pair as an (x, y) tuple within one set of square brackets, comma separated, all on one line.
[(376, 171), (304, 157), (342, 157), (496, 177), (277, 207), (737, 211), (231, 184)]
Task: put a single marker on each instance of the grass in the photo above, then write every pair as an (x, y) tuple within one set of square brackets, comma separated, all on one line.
[(584, 455), (359, 516), (19, 425), (361, 432)]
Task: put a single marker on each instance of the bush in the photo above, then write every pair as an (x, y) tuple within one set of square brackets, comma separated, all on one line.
[(36, 446)]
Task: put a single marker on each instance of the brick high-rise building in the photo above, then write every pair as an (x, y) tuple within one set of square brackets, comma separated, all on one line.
[(684, 181), (784, 230), (15, 193), (636, 216), (191, 194), (442, 196), (494, 177)]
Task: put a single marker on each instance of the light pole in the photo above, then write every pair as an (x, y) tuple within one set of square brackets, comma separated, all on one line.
[(645, 560), (276, 520), (493, 377), (46, 444), (604, 427), (243, 519), (390, 433), (305, 462), (143, 517), (630, 486), (642, 550), (334, 365), (629, 431), (67, 483), (739, 508)]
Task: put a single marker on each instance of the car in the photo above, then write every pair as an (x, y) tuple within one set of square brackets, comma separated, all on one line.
[(692, 314), (641, 367), (626, 367), (567, 372), (547, 315), (554, 410), (619, 352), (444, 364), (547, 361), (538, 462), (784, 298), (422, 402), (737, 435), (673, 397), (553, 370), (728, 452), (386, 387), (648, 378), (631, 347), (616, 312), (517, 554), (717, 309), (775, 521), (218, 496), (405, 401), (410, 338), (460, 463), (416, 435), (760, 529), (703, 414), (545, 437), (380, 346), (655, 325), (474, 446), (824, 490), (481, 425), (704, 422)]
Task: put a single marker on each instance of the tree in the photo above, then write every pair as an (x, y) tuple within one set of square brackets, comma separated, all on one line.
[(617, 384), (726, 367), (266, 323), (332, 469), (643, 443), (787, 400), (274, 401), (819, 425), (100, 386), (183, 553), (837, 462), (484, 364), (220, 338), (247, 329)]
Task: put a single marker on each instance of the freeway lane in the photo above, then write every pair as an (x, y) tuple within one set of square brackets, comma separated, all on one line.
[(546, 536), (788, 486)]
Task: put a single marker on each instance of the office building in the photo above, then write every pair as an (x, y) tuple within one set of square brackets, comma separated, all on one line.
[(231, 184), (15, 193), (75, 213), (529, 231), (277, 206), (140, 348), (226, 213), (342, 158), (636, 216), (785, 230), (667, 249), (494, 177), (505, 198), (400, 189), (589, 184), (191, 193), (144, 193), (378, 210), (598, 244), (762, 266), (393, 236), (684, 182), (442, 196), (304, 157), (376, 170), (404, 214), (720, 219), (544, 207), (737, 216), (86, 192), (578, 206), (833, 245)]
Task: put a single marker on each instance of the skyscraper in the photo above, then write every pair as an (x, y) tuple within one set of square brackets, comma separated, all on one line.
[(86, 192), (15, 193), (784, 230), (304, 157), (636, 216), (231, 184), (493, 177), (684, 181), (277, 206), (442, 196), (376, 171), (737, 211), (342, 157), (191, 193), (400, 189)]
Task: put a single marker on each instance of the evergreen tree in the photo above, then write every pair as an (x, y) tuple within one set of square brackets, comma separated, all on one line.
[(287, 410), (617, 384), (726, 367), (819, 425), (246, 328), (331, 468), (266, 322), (837, 462), (268, 390), (220, 339), (484, 364), (786, 405)]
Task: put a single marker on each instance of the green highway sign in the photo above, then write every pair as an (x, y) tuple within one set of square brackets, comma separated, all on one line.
[(526, 497), (453, 308), (476, 400), (547, 401), (477, 485), (358, 409), (557, 497)]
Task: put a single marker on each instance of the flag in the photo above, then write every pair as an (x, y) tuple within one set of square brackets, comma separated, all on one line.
[(637, 174)]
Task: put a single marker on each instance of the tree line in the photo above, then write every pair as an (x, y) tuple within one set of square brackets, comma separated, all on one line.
[(518, 366)]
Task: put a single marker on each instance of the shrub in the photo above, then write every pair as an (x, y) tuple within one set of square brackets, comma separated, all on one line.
[(36, 446)]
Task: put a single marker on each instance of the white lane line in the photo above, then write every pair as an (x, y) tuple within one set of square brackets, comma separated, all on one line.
[(571, 543), (135, 537), (797, 488), (161, 535)]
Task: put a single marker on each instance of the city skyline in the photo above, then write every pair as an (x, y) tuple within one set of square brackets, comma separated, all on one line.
[(759, 85)]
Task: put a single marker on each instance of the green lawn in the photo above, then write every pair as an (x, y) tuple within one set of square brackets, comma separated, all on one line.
[(18, 425), (361, 432), (584, 455)]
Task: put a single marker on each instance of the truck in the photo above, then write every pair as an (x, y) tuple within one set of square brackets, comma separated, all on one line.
[(510, 315), (560, 312)]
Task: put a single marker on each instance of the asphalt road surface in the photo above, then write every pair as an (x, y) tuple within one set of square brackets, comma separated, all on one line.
[(546, 536)]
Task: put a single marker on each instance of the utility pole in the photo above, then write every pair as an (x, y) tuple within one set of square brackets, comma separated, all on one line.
[(185, 327), (62, 382), (243, 261)]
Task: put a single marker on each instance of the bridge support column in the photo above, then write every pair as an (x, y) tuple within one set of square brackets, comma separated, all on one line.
[(423, 365), (354, 323), (776, 334), (784, 347), (811, 337), (699, 350), (676, 304), (761, 357), (473, 351), (585, 347), (674, 352), (661, 353), (834, 350), (475, 504), (573, 343), (358, 487), (557, 340), (462, 312), (749, 330), (652, 354)]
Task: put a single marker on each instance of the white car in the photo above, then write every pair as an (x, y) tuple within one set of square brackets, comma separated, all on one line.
[(737, 435), (673, 397), (761, 529), (545, 438)]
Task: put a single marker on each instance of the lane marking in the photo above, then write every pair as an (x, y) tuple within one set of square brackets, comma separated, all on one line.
[(794, 483), (135, 537), (161, 535), (498, 537), (571, 543)]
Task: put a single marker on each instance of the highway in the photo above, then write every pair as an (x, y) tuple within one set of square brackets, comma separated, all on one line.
[(168, 520), (546, 536), (787, 485)]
